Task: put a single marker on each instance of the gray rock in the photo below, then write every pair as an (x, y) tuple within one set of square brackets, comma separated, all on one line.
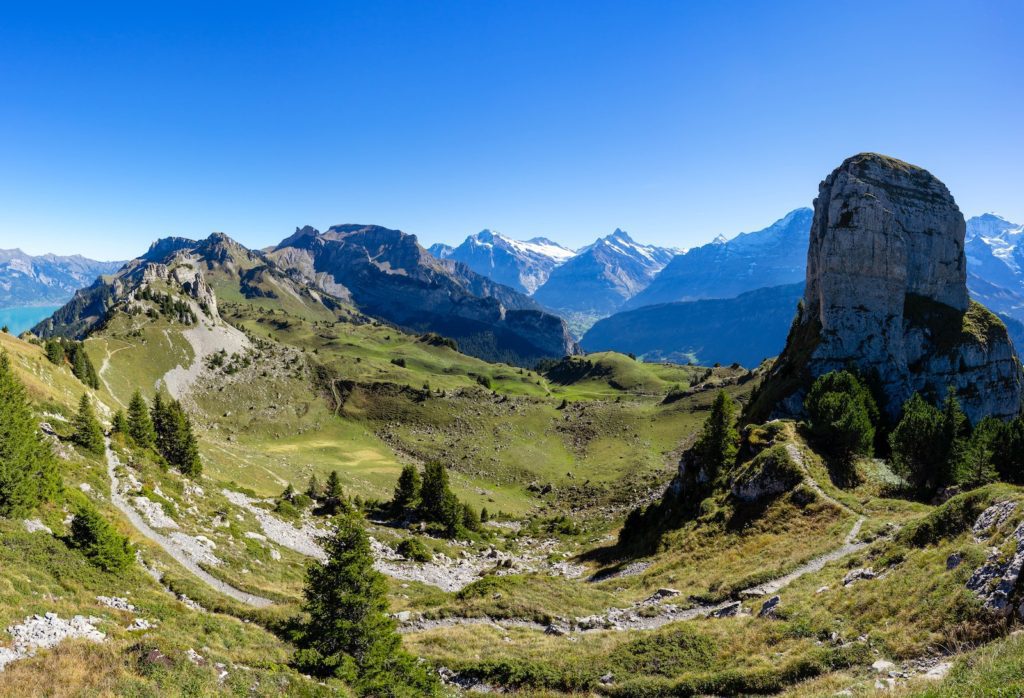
[(954, 560), (728, 611), (858, 574), (886, 290), (769, 607), (995, 581)]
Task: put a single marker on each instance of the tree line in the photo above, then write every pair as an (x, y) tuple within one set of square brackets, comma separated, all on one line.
[(164, 428)]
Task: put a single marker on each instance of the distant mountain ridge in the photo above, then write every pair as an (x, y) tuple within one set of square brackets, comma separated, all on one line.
[(524, 265), (601, 277), (387, 274), (27, 280), (745, 330), (774, 256)]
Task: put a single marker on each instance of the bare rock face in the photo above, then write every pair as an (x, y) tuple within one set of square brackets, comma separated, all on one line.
[(886, 291)]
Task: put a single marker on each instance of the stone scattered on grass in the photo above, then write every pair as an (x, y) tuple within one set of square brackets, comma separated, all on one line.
[(49, 630)]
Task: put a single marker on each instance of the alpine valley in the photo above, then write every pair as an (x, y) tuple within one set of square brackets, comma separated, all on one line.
[(346, 465)]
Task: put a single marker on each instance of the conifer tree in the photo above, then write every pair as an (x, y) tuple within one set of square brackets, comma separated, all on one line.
[(954, 434), (916, 444), (1008, 451), (407, 492), (161, 419), (55, 352), (313, 490), (119, 425), (185, 448), (82, 366), (289, 493), (334, 495), (88, 432), (842, 415), (717, 444), (349, 634), (28, 469), (140, 424), (99, 541), (438, 503)]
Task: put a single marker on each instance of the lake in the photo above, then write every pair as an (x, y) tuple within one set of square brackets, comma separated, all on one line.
[(20, 319)]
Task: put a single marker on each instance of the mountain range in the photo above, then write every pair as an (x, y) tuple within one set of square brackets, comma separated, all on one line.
[(380, 272), (499, 297), (27, 280), (523, 265)]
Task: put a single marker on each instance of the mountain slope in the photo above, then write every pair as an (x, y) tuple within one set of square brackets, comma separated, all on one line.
[(601, 277), (386, 274), (746, 329), (995, 263), (47, 279), (522, 265), (774, 256)]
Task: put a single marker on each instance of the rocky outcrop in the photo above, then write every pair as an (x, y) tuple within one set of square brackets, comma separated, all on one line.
[(886, 291)]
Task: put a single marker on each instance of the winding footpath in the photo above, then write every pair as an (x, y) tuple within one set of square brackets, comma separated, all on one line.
[(639, 617), (169, 546), (636, 617)]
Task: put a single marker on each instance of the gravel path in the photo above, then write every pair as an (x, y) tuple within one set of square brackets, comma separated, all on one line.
[(639, 616), (171, 547)]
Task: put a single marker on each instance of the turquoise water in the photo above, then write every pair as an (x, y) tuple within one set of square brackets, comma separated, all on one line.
[(20, 319)]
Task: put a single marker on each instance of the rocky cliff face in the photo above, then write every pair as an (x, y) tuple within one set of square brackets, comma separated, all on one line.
[(886, 291), (386, 274)]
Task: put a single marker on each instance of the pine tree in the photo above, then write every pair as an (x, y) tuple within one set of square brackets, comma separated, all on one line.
[(916, 444), (161, 419), (120, 423), (349, 634), (289, 493), (82, 366), (88, 432), (55, 352), (175, 440), (977, 456), (1008, 451), (484, 516), (433, 491), (28, 469), (334, 495), (717, 444), (842, 415), (140, 424), (954, 434), (438, 504), (407, 492), (313, 490), (185, 450), (99, 541)]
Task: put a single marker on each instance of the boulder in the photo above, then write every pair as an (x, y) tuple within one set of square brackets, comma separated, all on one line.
[(858, 574), (769, 607)]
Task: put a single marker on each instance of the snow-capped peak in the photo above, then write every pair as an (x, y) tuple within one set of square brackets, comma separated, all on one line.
[(537, 247)]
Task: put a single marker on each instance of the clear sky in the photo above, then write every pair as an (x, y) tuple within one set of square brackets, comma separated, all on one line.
[(676, 121)]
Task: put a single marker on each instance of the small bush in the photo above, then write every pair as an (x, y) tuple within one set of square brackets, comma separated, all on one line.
[(413, 549), (99, 542)]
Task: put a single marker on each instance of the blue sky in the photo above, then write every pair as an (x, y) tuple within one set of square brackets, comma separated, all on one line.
[(677, 121)]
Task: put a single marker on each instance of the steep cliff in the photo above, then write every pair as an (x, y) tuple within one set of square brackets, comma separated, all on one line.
[(886, 291)]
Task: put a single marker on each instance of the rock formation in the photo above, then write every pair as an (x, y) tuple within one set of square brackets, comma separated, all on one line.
[(886, 292)]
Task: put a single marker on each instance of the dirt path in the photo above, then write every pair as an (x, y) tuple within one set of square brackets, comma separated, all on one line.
[(639, 616), (108, 355), (169, 546)]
